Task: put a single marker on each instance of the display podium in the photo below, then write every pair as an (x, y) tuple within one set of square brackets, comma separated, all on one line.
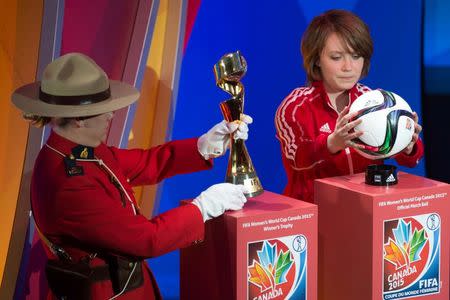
[(383, 242), (267, 250)]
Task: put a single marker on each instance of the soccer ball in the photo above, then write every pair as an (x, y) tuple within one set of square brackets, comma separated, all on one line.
[(387, 123)]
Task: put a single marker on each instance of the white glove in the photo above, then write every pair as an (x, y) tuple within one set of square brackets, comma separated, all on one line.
[(220, 197), (215, 142)]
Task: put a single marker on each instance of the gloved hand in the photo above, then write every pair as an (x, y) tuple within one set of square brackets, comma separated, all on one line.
[(220, 197), (215, 142)]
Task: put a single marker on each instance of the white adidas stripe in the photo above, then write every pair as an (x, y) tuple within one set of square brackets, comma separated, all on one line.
[(285, 132)]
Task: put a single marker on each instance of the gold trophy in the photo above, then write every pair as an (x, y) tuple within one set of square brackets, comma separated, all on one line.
[(228, 71)]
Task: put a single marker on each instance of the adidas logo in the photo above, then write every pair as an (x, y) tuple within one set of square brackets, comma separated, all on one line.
[(390, 178), (325, 128)]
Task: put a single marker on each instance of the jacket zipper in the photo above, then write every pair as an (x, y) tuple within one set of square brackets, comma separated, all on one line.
[(349, 160)]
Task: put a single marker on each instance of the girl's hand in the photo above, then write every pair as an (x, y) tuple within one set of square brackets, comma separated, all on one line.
[(415, 137), (344, 132)]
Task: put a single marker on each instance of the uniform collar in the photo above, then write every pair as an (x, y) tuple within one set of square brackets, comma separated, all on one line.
[(353, 93), (73, 150)]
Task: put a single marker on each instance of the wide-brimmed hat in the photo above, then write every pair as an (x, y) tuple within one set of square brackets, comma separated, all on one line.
[(73, 85)]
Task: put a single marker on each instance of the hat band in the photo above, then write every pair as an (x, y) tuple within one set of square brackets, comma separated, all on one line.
[(74, 100)]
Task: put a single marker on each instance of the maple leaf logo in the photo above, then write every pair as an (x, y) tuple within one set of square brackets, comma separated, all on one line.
[(272, 267), (406, 247)]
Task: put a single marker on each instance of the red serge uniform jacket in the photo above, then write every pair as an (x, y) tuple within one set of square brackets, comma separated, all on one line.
[(86, 211), (303, 121)]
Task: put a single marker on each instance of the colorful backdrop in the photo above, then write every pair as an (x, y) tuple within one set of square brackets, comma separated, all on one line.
[(167, 50)]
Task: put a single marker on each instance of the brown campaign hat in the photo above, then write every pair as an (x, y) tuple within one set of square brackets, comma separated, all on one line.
[(73, 85)]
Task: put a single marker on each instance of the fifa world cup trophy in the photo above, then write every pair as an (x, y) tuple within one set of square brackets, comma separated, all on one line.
[(228, 71)]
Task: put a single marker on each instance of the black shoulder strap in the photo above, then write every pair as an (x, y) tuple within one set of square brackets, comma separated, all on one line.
[(55, 249)]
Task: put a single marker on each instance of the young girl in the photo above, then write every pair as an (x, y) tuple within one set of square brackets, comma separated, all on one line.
[(313, 121)]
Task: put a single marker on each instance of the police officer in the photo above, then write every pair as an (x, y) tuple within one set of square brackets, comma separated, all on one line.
[(81, 189)]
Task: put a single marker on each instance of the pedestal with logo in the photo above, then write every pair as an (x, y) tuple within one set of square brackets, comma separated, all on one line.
[(268, 250), (383, 242)]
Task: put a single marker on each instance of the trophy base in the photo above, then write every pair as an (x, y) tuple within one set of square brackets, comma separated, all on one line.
[(250, 181)]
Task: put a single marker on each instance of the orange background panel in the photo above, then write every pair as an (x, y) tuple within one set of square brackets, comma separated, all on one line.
[(19, 45), (153, 109)]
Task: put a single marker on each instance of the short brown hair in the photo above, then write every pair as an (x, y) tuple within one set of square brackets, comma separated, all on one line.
[(40, 121), (349, 27)]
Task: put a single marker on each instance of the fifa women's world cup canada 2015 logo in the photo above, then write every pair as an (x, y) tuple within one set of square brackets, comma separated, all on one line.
[(411, 256), (277, 268)]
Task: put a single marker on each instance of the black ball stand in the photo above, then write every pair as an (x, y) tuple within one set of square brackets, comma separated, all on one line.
[(381, 175)]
